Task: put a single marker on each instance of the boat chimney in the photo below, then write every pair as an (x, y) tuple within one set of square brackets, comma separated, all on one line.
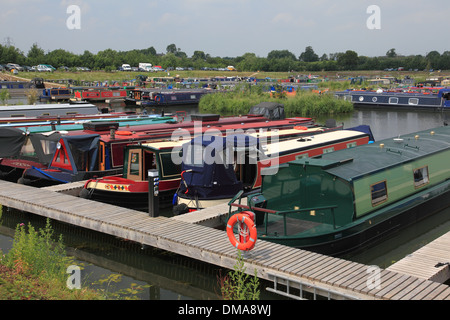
[(432, 133), (381, 145), (112, 132), (416, 137)]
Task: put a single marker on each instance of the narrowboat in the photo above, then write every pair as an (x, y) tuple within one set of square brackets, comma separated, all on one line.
[(56, 94), (74, 159), (130, 189), (21, 112), (138, 95), (19, 151), (349, 199), (415, 100), (208, 183), (124, 122), (99, 93), (175, 97)]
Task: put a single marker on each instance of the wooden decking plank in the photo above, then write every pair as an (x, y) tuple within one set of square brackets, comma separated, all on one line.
[(390, 285), (403, 285), (293, 259), (296, 266), (420, 285), (352, 273), (354, 277), (331, 268), (387, 277), (444, 295), (427, 290), (299, 260), (280, 259), (345, 271), (436, 292), (316, 266)]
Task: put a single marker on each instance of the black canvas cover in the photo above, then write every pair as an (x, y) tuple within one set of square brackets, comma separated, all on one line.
[(269, 110), (44, 145), (11, 141), (82, 151)]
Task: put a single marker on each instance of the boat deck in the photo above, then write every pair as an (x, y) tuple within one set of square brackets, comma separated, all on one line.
[(326, 275)]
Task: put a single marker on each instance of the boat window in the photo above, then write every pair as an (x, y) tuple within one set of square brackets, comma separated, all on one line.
[(28, 149), (328, 150), (413, 101), (71, 113), (168, 167), (421, 177), (351, 144), (193, 96), (378, 192), (393, 100), (301, 156), (134, 163), (48, 146), (17, 115)]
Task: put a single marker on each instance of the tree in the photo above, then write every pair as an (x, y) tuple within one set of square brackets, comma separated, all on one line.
[(391, 53), (171, 48), (281, 54), (349, 60), (199, 55), (35, 55), (309, 55)]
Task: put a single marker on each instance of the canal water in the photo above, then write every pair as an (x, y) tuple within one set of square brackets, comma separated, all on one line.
[(168, 276)]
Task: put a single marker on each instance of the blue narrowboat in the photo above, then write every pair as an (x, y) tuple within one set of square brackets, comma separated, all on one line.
[(415, 100)]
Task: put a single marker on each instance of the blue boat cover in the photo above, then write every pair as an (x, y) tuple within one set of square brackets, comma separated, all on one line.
[(208, 179)]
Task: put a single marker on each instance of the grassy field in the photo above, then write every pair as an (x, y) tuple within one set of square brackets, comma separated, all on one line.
[(120, 76)]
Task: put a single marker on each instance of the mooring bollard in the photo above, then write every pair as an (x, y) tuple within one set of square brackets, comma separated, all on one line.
[(153, 193)]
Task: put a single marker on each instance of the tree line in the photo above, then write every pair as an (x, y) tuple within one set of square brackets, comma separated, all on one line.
[(276, 60)]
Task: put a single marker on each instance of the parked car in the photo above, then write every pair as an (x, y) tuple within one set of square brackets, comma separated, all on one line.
[(11, 66), (42, 68), (126, 67)]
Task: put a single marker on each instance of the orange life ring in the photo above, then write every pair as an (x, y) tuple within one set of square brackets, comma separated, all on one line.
[(124, 133), (245, 219), (300, 128)]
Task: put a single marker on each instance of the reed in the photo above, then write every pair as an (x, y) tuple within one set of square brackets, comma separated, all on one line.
[(303, 103)]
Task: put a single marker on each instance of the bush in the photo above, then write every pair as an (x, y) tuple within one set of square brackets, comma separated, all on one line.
[(304, 103)]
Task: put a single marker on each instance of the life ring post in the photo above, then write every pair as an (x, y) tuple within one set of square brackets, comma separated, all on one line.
[(246, 230)]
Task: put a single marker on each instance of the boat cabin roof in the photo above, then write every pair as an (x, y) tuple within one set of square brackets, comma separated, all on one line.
[(311, 141), (351, 164)]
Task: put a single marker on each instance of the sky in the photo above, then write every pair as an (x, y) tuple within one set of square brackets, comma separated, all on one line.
[(228, 28)]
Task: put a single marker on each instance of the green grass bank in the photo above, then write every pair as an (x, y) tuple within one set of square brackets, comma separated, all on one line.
[(303, 103)]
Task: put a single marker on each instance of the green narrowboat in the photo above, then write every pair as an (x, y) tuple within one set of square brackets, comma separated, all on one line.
[(345, 200)]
